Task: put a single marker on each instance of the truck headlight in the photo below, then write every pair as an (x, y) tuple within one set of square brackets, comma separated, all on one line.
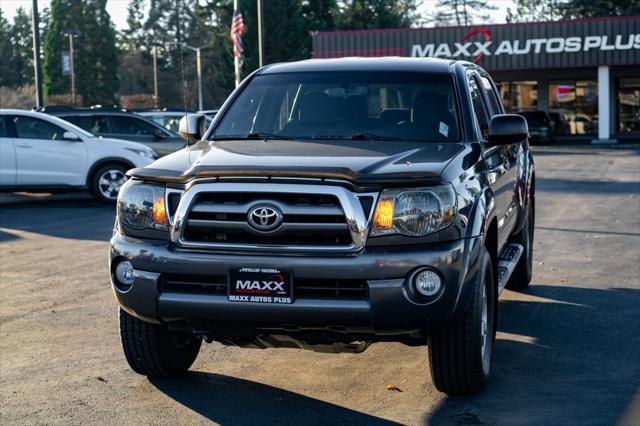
[(141, 206), (414, 212)]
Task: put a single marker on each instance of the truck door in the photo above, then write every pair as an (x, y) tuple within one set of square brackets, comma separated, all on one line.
[(499, 162)]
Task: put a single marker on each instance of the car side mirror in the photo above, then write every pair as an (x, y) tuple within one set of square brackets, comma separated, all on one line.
[(159, 135), (192, 128), (506, 129), (70, 137)]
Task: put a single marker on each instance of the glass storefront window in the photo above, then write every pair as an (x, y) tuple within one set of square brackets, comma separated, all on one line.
[(519, 96), (628, 105), (575, 104)]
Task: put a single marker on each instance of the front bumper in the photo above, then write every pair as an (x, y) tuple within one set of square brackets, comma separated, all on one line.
[(389, 309)]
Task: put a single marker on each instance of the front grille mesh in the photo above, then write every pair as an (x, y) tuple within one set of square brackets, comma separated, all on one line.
[(308, 219), (303, 288)]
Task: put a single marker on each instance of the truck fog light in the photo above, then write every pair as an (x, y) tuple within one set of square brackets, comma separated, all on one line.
[(427, 283), (124, 274)]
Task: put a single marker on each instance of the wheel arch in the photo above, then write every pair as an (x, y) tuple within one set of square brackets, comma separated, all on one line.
[(103, 162)]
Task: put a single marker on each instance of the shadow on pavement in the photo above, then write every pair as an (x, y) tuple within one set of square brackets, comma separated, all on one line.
[(586, 186), (570, 357), (74, 216), (229, 400)]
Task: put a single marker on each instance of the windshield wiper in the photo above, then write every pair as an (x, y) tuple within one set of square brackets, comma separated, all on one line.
[(371, 136), (261, 135)]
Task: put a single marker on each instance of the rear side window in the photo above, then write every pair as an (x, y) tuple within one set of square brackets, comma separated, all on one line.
[(132, 126), (494, 103), (96, 124), (479, 108), (34, 128)]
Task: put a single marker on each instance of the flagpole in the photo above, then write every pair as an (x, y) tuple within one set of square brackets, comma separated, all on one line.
[(236, 59)]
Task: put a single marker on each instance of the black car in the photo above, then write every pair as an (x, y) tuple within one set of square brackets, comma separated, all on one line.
[(110, 123), (332, 204)]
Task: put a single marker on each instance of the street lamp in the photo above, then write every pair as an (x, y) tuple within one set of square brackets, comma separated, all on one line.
[(199, 71), (71, 34), (154, 54)]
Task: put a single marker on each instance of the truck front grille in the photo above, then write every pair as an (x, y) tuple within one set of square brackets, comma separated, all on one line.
[(303, 288), (228, 216)]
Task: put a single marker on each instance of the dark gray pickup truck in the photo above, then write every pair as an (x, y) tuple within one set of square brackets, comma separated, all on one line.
[(332, 204)]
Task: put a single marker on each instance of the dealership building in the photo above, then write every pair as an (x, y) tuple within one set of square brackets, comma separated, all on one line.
[(584, 74)]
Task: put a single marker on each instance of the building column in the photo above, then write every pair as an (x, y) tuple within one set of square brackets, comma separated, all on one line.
[(604, 106)]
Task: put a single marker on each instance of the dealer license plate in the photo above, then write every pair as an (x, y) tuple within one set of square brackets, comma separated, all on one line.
[(260, 285)]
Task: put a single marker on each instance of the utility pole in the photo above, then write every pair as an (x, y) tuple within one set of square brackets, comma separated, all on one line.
[(154, 54), (37, 64), (72, 34), (260, 33), (198, 72)]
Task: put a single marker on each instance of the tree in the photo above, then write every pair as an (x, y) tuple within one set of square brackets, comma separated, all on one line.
[(595, 8), (362, 14), (534, 11), (6, 51), (22, 41), (461, 12), (95, 56), (132, 37)]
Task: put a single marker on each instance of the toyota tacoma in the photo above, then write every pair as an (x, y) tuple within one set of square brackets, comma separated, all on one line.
[(332, 204)]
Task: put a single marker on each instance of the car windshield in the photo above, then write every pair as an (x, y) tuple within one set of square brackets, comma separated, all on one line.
[(344, 105)]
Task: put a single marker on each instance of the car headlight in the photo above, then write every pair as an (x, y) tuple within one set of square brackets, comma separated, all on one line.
[(414, 212), (145, 153), (141, 206)]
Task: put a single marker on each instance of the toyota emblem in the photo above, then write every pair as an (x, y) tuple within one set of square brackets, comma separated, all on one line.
[(264, 217)]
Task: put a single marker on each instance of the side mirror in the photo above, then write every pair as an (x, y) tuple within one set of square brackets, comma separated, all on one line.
[(159, 135), (70, 137), (192, 128), (506, 129)]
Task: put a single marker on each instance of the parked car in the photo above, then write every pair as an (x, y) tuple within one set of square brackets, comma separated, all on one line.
[(541, 126), (41, 153), (170, 120), (208, 115), (111, 123), (335, 203)]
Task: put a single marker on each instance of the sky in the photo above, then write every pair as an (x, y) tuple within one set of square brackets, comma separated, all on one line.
[(118, 9)]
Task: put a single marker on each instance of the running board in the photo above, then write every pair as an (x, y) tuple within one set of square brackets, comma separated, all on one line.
[(507, 262)]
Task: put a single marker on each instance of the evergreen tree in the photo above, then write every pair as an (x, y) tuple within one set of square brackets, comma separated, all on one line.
[(95, 54), (132, 37), (534, 11), (461, 12), (6, 51), (22, 41), (595, 8), (363, 14)]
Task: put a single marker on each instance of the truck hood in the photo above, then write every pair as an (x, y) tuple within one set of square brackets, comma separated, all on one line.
[(356, 161)]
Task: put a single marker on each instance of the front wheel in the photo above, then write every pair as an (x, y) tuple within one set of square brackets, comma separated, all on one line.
[(153, 350), (107, 180), (460, 353)]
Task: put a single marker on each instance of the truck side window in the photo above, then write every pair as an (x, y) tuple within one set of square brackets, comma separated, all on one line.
[(494, 103), (479, 109)]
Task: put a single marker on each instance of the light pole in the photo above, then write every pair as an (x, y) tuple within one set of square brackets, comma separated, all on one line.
[(37, 64), (199, 72), (154, 54), (71, 34)]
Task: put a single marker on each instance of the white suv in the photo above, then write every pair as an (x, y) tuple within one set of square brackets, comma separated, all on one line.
[(41, 153)]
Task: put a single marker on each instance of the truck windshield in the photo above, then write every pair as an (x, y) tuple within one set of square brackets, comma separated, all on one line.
[(344, 105)]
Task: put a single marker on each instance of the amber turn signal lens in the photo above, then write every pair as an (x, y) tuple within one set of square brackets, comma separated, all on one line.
[(383, 218), (159, 212)]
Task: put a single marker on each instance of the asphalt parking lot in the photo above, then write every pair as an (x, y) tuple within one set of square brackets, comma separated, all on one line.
[(568, 349)]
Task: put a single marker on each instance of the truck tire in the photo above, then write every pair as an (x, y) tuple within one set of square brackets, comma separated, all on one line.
[(460, 352), (521, 276), (107, 180), (152, 350)]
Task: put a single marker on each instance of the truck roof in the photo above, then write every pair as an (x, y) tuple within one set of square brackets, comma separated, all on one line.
[(391, 64)]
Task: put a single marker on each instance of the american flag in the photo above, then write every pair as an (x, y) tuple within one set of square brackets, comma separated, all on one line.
[(237, 28)]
